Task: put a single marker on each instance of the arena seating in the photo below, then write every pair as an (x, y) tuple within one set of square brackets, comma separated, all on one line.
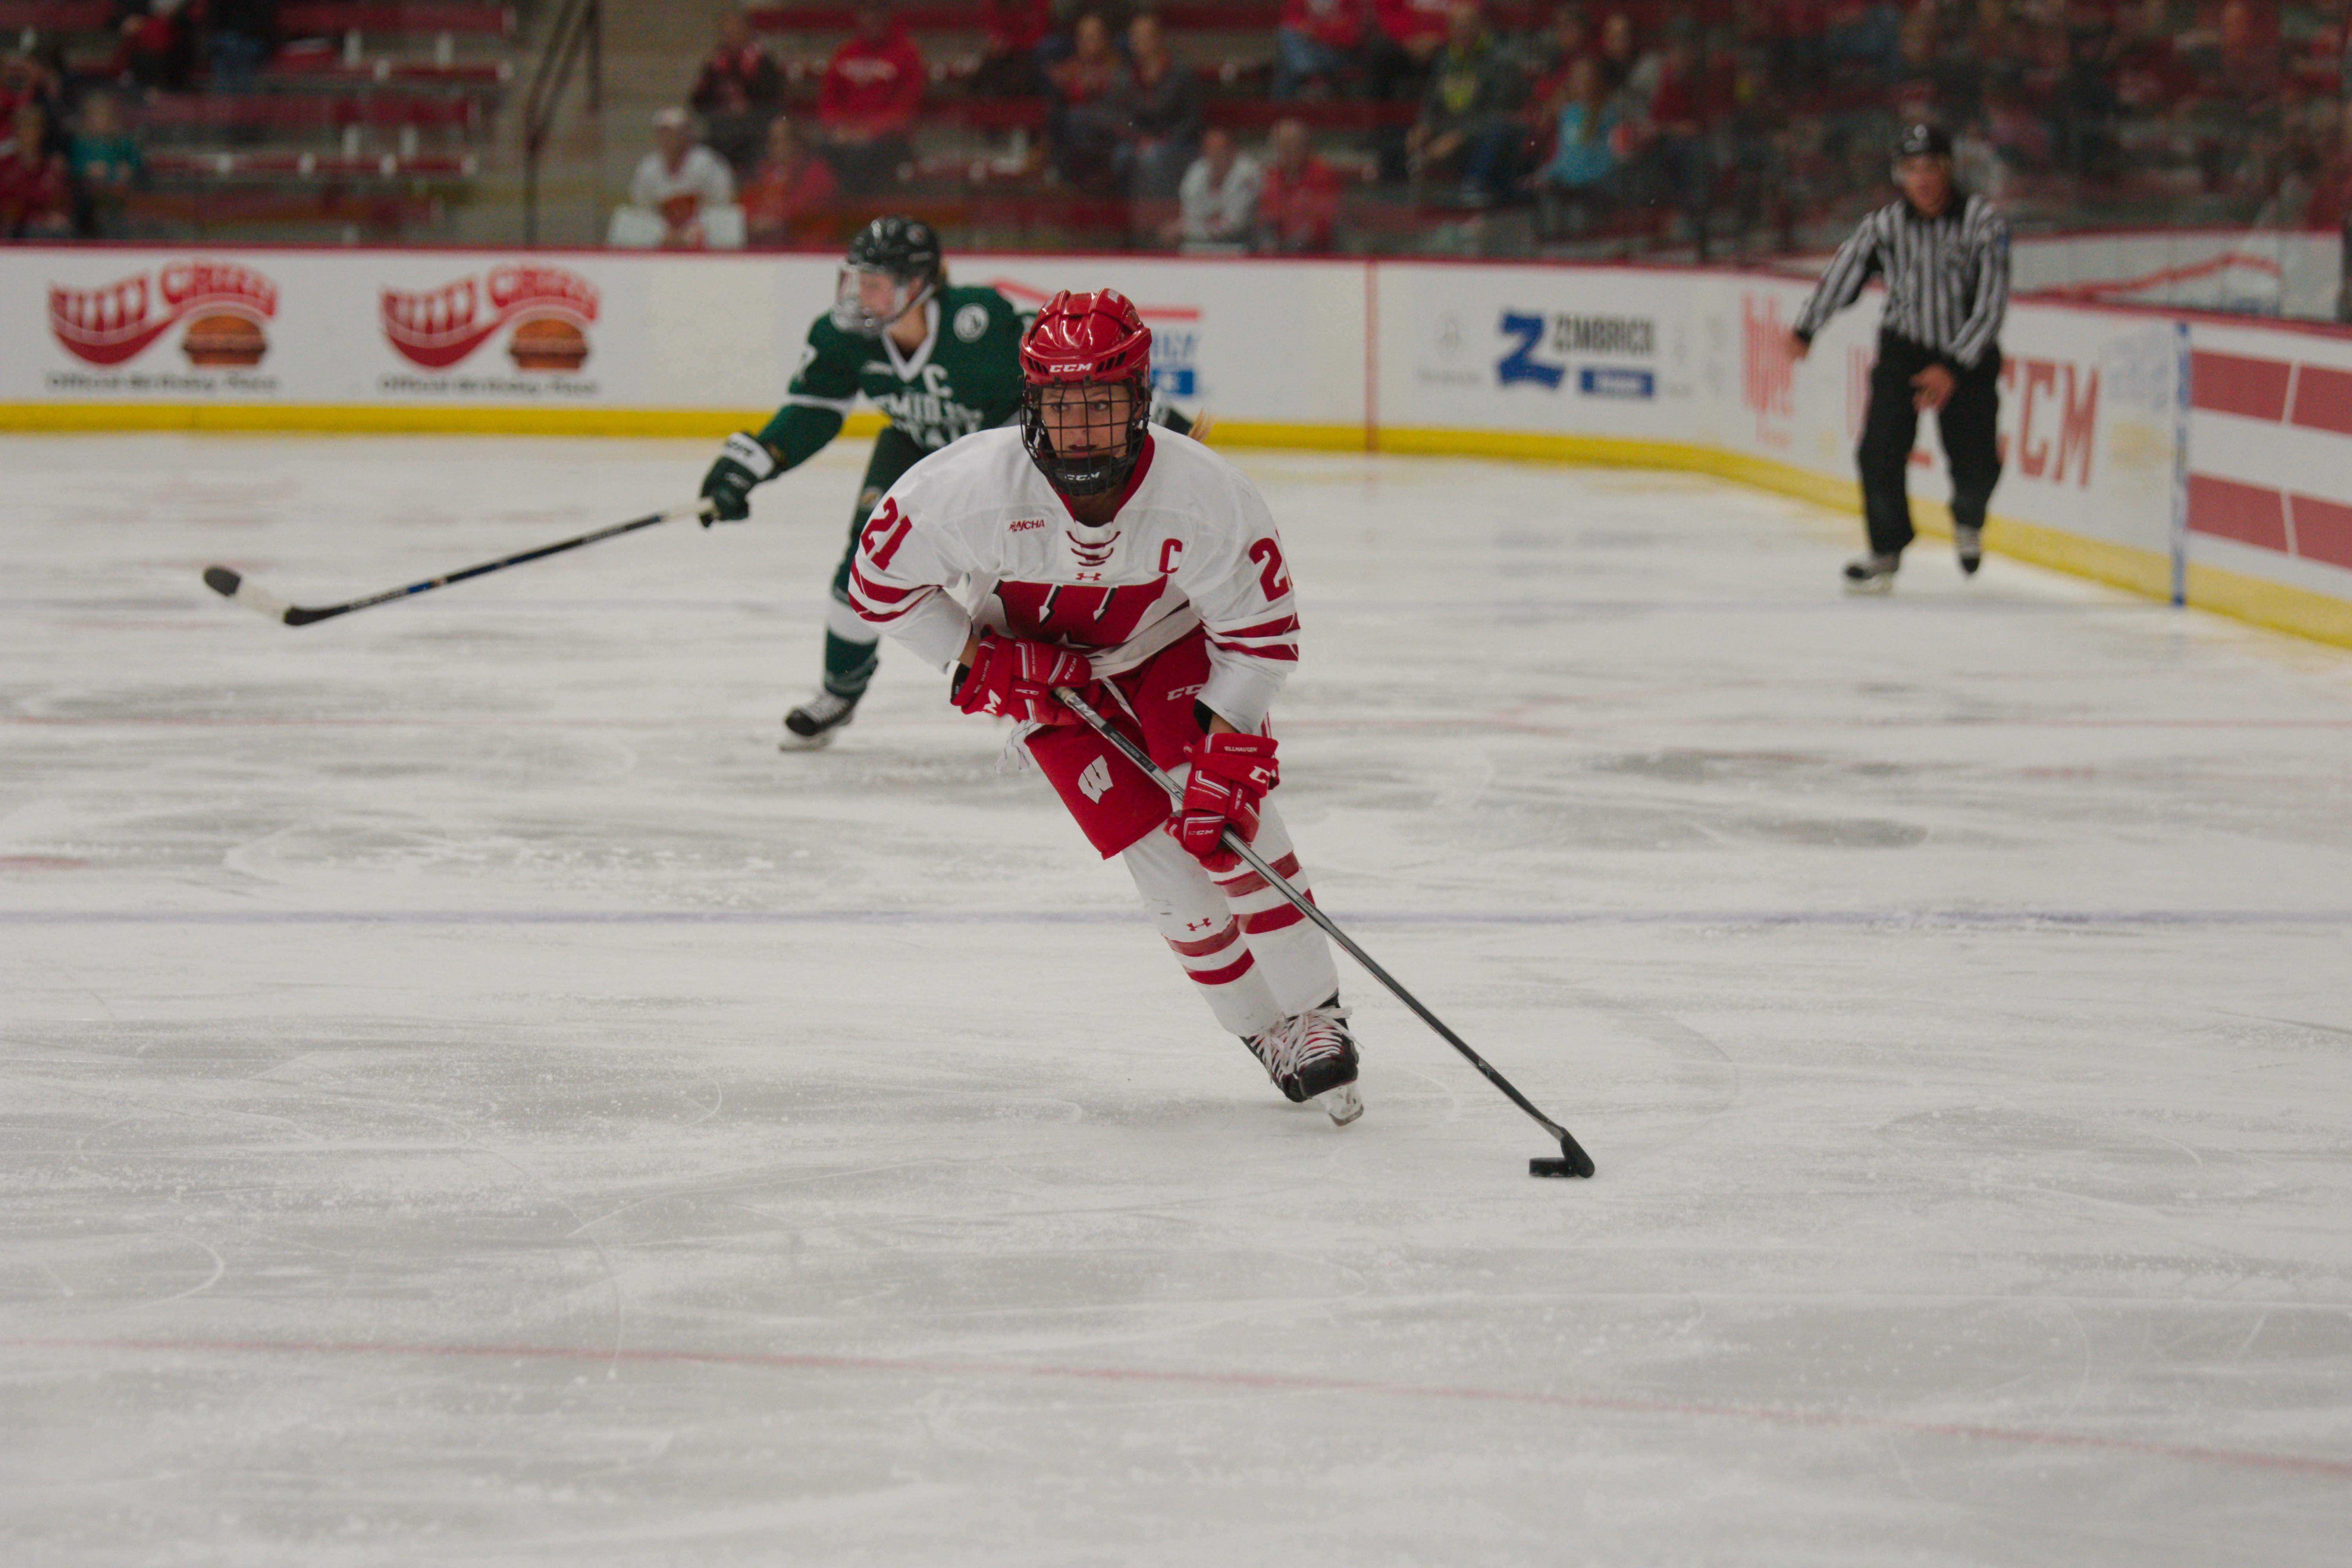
[(366, 121)]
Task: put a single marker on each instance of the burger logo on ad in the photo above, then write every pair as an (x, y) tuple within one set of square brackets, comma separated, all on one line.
[(549, 308), (227, 309)]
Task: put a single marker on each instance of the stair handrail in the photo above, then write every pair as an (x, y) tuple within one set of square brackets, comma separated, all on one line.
[(578, 29)]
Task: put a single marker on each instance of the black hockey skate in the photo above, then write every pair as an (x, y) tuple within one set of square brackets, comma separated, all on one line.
[(1968, 544), (1871, 574), (1310, 1056), (816, 721)]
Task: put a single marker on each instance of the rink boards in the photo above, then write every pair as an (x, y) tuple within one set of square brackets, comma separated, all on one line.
[(2188, 457)]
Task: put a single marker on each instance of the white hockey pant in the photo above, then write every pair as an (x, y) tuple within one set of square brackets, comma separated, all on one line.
[(1255, 959)]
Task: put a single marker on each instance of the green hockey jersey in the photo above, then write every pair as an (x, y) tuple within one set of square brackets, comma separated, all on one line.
[(966, 376)]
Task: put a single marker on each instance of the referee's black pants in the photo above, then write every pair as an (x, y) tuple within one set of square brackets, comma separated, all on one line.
[(1891, 427)]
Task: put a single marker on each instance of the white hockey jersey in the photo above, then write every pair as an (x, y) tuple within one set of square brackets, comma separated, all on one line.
[(974, 535)]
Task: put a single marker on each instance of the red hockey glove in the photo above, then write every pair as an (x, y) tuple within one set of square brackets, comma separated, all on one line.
[(1014, 677), (1231, 774)]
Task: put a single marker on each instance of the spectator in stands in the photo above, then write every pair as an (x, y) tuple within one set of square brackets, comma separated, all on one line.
[(1163, 113), (1866, 38), (1465, 131), (1087, 128), (1620, 55), (1217, 202), (1406, 36), (738, 92), (1315, 47), (1299, 209), (679, 181), (873, 86), (791, 194), (1576, 183), (104, 161), (244, 36), (2249, 46), (1682, 160), (1014, 31), (24, 80), (35, 202), (1548, 56), (155, 50)]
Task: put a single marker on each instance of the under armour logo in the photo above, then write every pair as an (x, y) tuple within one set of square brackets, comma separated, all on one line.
[(1197, 925), (1087, 576), (1095, 783)]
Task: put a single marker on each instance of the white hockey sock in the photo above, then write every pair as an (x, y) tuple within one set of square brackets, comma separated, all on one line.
[(1206, 933), (847, 624), (1292, 951)]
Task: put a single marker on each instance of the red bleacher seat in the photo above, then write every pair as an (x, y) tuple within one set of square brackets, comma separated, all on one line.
[(296, 21), (318, 66), (55, 15), (282, 111), (311, 165), (842, 19), (1178, 15)]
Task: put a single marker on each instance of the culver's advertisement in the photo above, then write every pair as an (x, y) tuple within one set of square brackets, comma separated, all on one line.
[(509, 330), (199, 328), (185, 327)]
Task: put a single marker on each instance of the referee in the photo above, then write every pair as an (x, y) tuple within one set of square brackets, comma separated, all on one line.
[(1944, 254)]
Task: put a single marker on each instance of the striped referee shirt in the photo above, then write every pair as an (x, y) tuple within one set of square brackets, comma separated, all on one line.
[(1946, 277)]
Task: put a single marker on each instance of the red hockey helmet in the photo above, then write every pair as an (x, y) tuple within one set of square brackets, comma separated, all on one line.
[(1085, 340)]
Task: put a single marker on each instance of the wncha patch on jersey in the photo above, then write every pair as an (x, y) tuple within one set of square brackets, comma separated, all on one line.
[(972, 324)]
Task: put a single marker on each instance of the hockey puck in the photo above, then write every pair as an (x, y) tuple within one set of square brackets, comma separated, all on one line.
[(222, 580)]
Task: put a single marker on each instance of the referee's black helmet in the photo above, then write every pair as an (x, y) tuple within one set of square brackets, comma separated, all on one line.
[(1923, 140)]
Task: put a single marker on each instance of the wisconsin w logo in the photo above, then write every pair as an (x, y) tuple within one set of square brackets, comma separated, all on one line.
[(1095, 783)]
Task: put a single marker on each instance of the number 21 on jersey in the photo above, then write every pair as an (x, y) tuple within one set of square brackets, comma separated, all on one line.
[(1271, 577), (884, 531)]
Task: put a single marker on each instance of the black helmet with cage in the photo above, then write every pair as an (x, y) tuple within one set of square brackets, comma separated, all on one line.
[(905, 250), (1923, 139)]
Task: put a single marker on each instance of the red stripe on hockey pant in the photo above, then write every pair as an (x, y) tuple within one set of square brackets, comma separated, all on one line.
[(1248, 882), (1209, 944), (1274, 919), (1228, 974), (1284, 653)]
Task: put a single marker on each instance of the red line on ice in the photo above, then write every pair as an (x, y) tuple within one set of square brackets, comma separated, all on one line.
[(1275, 1383)]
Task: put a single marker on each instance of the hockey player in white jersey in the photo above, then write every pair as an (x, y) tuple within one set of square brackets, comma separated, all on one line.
[(1087, 550)]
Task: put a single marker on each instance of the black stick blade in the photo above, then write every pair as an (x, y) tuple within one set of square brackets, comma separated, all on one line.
[(222, 580), (1573, 1161)]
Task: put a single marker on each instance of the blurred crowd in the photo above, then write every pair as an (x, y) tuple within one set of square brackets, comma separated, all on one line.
[(1704, 124), (69, 152)]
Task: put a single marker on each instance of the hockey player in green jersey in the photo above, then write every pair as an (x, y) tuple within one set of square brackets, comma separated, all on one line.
[(939, 360)]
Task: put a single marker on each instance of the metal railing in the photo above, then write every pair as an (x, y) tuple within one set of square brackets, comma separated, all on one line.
[(578, 30)]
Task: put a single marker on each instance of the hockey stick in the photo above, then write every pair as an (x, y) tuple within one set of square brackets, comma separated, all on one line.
[(1573, 1160), (233, 587)]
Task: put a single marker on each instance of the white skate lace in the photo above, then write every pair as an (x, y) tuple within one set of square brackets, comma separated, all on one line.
[(1300, 1040), (825, 707)]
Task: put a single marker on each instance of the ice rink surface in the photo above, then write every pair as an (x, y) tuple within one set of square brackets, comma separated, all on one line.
[(468, 1099)]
